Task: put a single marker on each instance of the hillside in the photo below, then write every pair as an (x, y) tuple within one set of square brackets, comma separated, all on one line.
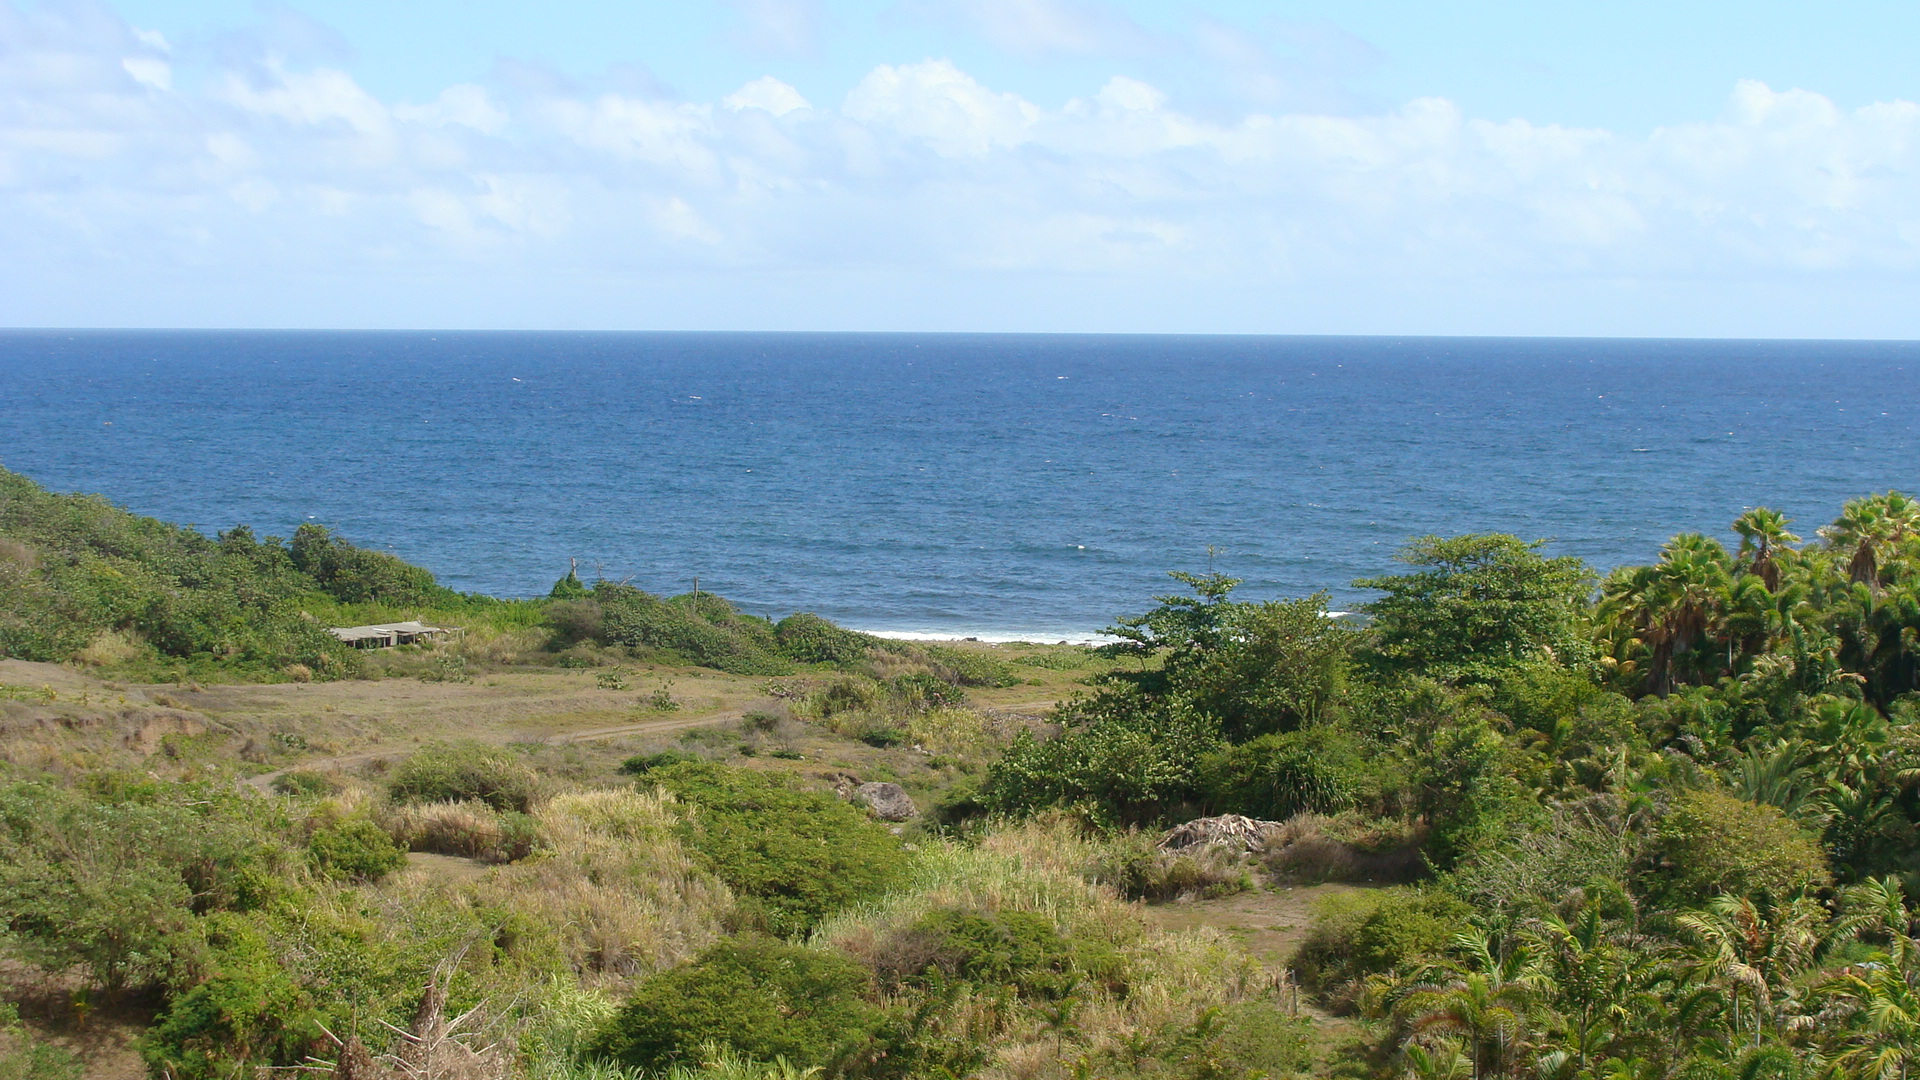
[(1522, 820)]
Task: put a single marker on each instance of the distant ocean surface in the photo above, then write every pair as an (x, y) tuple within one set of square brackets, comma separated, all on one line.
[(998, 486)]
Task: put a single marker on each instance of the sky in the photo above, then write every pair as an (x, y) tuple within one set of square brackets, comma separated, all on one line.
[(1210, 166)]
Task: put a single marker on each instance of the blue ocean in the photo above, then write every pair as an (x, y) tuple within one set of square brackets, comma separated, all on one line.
[(1004, 486)]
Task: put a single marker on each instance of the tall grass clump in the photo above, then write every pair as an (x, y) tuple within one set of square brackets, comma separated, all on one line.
[(615, 882), (465, 772)]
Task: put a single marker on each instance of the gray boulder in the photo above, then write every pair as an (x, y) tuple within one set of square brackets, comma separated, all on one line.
[(889, 802)]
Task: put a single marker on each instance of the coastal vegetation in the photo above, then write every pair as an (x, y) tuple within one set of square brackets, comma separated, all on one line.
[(1657, 823)]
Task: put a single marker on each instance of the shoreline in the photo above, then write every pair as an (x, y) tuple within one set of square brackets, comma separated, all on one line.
[(992, 637)]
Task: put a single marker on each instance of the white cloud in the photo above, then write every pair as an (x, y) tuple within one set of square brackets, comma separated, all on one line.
[(766, 93), (464, 104), (278, 171), (153, 72), (942, 106), (310, 98)]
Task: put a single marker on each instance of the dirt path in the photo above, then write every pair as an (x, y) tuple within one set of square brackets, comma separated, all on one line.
[(264, 781), (1270, 924)]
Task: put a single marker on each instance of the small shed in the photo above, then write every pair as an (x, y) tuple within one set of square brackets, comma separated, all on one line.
[(387, 635)]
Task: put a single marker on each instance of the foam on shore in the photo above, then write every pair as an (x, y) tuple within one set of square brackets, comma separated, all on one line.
[(995, 637)]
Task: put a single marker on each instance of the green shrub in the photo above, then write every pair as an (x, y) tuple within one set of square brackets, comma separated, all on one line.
[(75, 567), (356, 575), (304, 782), (810, 639), (1022, 950), (760, 998), (1111, 762), (884, 738), (354, 850), (793, 855), (251, 1009), (1363, 933), (847, 694), (640, 764), (459, 772), (705, 630), (112, 879), (964, 667), (922, 692), (1711, 843), (1584, 850), (1318, 769)]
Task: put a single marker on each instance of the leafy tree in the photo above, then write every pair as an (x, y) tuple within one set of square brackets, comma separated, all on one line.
[(1478, 604), (1711, 843), (1319, 769), (1252, 668), (356, 575), (1118, 759)]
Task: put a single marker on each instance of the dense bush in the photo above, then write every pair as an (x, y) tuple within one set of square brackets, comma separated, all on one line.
[(1478, 605), (794, 855), (575, 621), (354, 850), (702, 629), (111, 881), (810, 639), (470, 830), (356, 575), (460, 772), (1022, 950), (758, 997), (1319, 769), (250, 1010), (303, 782), (1711, 843), (1363, 933), (1126, 755), (75, 567)]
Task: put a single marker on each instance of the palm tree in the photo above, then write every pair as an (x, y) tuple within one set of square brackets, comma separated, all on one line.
[(1484, 998), (1780, 775), (1867, 528), (1489, 1016), (1443, 1061), (1762, 533), (1882, 1038), (1756, 948), (1600, 989), (1670, 607)]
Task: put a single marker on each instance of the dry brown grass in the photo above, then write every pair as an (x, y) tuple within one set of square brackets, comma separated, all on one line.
[(1171, 979), (613, 881), (1311, 849), (110, 647), (468, 829)]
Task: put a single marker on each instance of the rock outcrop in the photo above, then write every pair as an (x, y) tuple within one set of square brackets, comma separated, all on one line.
[(889, 802)]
